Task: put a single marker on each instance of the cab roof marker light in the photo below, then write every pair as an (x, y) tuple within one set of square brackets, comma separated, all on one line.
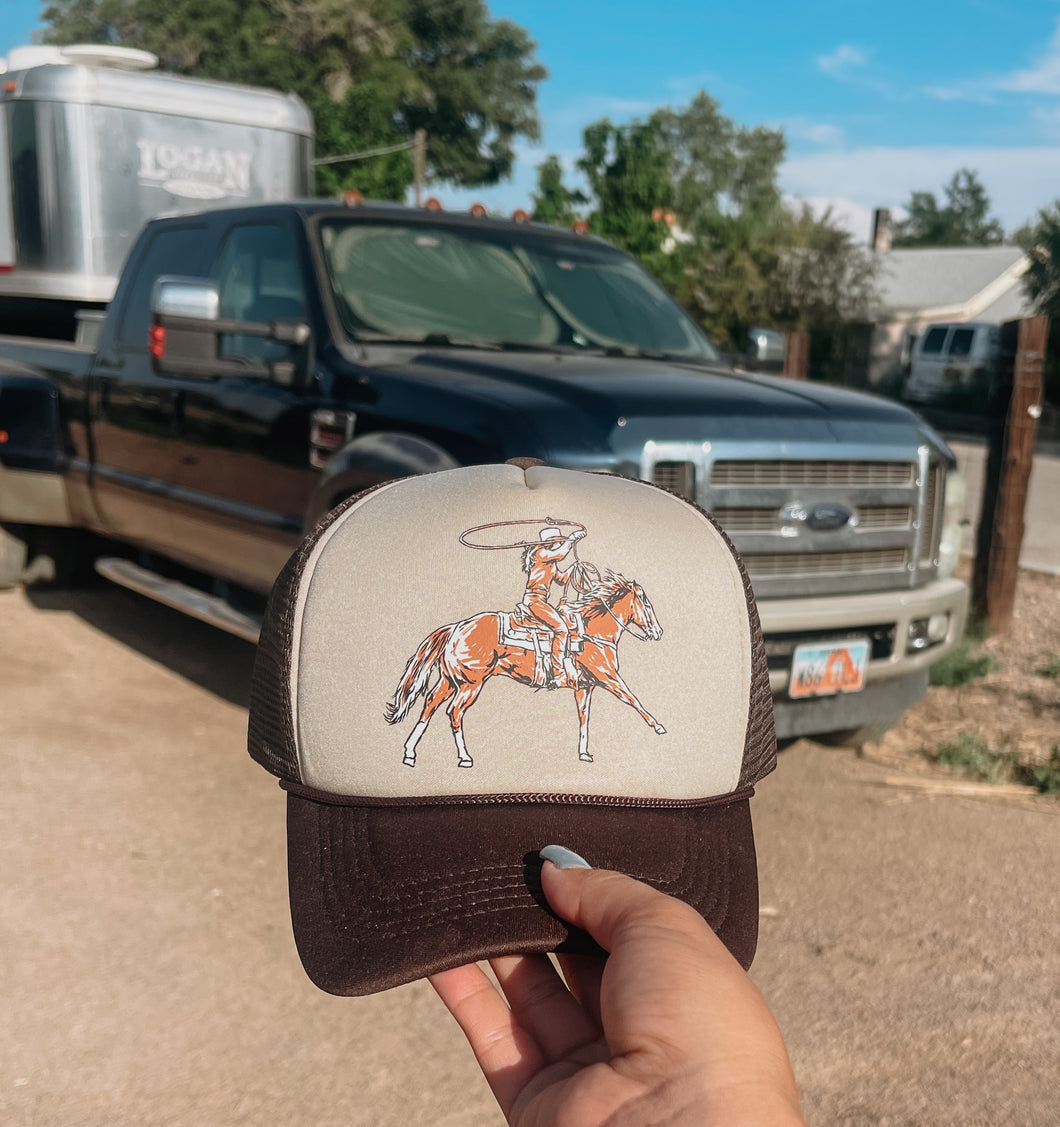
[(432, 203), (478, 210), (352, 198), (520, 215), (580, 227)]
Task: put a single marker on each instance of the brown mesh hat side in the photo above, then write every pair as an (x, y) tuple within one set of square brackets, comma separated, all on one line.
[(270, 729)]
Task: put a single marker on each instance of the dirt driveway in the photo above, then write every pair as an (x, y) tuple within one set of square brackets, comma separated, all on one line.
[(909, 943)]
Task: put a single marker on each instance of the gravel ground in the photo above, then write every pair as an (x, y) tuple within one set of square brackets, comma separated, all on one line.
[(1014, 708), (148, 975)]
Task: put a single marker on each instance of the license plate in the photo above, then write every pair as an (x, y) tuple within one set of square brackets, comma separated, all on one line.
[(821, 669)]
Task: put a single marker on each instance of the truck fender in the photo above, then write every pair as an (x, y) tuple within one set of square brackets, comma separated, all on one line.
[(36, 544), (29, 420), (33, 459), (370, 459)]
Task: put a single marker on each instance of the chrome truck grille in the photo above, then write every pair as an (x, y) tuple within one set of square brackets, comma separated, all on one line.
[(824, 520)]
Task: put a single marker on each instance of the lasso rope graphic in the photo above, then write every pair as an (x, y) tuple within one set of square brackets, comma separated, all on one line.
[(581, 575), (548, 522)]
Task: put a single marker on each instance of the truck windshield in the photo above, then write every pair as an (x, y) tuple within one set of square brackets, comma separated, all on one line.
[(500, 289)]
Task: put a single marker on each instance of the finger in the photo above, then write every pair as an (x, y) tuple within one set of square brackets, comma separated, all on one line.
[(611, 907), (508, 1056), (583, 974), (543, 1006)]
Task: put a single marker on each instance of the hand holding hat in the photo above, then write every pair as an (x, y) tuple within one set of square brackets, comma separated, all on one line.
[(670, 1029)]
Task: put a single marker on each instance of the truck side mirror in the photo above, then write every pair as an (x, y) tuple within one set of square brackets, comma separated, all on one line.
[(197, 298), (188, 337), (183, 335)]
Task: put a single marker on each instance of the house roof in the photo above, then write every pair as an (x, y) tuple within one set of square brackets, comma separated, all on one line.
[(953, 283)]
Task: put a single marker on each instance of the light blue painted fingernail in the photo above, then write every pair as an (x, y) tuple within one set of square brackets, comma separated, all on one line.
[(563, 858)]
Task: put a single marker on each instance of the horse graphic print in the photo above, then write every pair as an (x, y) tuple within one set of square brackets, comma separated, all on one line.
[(572, 645)]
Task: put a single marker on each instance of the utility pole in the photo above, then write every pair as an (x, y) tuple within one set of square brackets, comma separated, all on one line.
[(1015, 410), (419, 153), (796, 356)]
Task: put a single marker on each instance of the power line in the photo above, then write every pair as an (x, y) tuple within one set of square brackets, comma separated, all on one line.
[(401, 147)]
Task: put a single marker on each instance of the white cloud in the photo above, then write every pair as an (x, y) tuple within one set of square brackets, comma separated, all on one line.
[(1042, 77), (845, 58), (853, 217), (816, 132), (1018, 181), (962, 92)]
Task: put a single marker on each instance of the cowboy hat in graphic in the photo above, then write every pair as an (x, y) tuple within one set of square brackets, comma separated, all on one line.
[(443, 690)]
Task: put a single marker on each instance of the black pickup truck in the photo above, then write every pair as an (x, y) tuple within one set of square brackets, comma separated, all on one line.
[(259, 364)]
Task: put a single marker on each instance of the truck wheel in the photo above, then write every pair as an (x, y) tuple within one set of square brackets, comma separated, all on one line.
[(13, 552), (856, 737), (51, 557)]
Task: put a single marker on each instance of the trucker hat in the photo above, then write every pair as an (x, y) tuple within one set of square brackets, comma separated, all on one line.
[(442, 692)]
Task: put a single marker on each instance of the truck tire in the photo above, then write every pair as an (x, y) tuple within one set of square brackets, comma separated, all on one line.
[(48, 557), (13, 553)]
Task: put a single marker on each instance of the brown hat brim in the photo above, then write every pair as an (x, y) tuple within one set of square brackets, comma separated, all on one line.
[(384, 895)]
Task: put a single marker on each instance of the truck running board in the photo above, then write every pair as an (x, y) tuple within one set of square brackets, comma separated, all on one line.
[(207, 608)]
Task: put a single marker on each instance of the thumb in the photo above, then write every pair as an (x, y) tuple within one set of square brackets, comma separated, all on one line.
[(613, 907)]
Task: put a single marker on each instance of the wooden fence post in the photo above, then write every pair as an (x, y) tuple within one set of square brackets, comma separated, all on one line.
[(1015, 409), (796, 356)]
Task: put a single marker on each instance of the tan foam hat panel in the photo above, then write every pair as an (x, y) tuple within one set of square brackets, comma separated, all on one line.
[(460, 668)]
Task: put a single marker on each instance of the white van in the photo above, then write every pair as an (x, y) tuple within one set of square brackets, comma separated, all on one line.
[(952, 355)]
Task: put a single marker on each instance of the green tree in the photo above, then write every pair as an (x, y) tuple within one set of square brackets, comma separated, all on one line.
[(726, 196), (737, 256), (470, 81), (360, 121), (823, 278), (1041, 283), (554, 202), (627, 168), (477, 89), (963, 221), (718, 167), (1041, 241)]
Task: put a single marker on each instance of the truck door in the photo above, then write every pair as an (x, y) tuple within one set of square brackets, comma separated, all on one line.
[(243, 472), (134, 413)]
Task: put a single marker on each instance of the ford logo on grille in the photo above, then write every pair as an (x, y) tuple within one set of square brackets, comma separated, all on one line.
[(828, 518), (820, 518)]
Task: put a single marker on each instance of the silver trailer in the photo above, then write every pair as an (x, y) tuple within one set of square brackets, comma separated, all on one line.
[(92, 145)]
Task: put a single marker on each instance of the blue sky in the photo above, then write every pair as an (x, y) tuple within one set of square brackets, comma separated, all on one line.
[(876, 100)]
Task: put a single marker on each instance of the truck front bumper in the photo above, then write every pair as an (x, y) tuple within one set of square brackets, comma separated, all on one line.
[(897, 673)]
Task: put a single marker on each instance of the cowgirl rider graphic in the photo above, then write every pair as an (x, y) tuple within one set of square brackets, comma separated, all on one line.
[(541, 563)]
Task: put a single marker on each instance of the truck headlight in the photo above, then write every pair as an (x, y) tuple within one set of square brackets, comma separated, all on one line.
[(953, 523)]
